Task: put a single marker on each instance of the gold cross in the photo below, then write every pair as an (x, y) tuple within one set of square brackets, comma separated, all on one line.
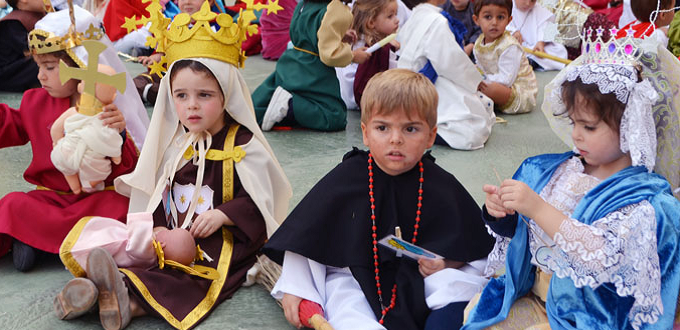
[(91, 75)]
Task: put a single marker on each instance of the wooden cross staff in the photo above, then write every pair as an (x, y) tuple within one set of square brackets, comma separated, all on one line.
[(91, 75)]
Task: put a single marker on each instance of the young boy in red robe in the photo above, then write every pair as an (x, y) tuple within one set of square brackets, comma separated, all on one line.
[(40, 219)]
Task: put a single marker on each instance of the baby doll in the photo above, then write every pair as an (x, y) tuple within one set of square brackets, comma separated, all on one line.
[(82, 144), (177, 244), (135, 244)]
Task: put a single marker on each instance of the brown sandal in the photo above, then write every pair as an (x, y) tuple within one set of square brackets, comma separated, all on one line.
[(76, 298), (114, 300)]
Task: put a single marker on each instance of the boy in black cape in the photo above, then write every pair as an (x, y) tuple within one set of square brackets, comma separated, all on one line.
[(328, 244)]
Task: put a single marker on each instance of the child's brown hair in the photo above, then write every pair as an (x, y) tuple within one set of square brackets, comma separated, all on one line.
[(607, 107), (400, 90), (364, 11), (642, 9), (507, 4)]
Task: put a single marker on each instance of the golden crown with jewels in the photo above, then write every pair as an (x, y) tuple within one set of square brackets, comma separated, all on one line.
[(188, 36)]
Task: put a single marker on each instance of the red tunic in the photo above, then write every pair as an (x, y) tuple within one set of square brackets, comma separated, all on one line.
[(42, 218), (642, 30), (602, 6)]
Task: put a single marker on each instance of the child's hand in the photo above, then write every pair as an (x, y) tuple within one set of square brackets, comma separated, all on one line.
[(209, 222), (151, 59), (360, 55), (518, 36), (427, 267), (468, 48), (291, 308), (112, 117), (395, 44), (493, 203), (540, 47), (516, 195), (350, 37), (482, 86)]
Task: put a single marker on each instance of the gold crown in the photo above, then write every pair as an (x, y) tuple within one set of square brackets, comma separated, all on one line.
[(51, 43), (180, 39)]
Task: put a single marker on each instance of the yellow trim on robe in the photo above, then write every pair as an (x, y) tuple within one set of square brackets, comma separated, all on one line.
[(67, 245), (210, 298), (229, 155), (107, 188)]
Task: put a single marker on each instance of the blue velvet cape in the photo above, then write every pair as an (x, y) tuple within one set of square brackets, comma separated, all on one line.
[(569, 307)]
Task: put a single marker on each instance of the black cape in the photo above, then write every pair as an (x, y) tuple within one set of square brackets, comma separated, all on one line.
[(332, 226)]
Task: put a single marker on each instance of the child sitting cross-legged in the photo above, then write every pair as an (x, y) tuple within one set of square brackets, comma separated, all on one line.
[(329, 245), (510, 81), (589, 239)]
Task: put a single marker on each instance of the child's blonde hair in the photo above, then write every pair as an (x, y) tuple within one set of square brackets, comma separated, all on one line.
[(364, 11), (400, 90)]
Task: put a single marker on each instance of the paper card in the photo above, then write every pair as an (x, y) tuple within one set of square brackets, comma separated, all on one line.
[(405, 248)]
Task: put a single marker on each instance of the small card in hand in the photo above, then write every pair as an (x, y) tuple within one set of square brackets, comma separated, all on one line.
[(405, 248)]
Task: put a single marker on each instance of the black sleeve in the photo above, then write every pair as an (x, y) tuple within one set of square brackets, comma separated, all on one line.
[(504, 226)]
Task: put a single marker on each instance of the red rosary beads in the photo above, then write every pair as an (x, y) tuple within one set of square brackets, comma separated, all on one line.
[(375, 236)]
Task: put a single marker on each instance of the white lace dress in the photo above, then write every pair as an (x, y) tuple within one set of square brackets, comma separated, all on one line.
[(620, 248)]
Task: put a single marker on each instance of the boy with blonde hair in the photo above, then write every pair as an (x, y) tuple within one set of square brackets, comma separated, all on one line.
[(328, 245)]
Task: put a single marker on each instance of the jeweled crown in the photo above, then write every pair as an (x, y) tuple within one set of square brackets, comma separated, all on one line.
[(180, 38), (623, 51), (49, 42)]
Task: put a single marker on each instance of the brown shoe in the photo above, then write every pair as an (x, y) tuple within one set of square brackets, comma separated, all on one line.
[(114, 300), (76, 298)]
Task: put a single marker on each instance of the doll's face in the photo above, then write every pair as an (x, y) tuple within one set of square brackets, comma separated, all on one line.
[(199, 101), (179, 245), (48, 75), (103, 92)]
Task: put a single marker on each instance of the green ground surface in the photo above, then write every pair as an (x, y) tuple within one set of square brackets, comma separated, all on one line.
[(26, 298)]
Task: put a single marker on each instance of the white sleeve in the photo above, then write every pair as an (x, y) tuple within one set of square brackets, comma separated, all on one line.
[(621, 249), (660, 37), (451, 285), (301, 277), (508, 66)]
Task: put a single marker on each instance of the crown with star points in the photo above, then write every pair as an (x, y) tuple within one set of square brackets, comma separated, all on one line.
[(179, 38), (622, 51)]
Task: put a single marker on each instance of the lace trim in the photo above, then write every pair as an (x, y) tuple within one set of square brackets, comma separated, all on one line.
[(638, 132), (621, 249), (496, 258), (617, 79)]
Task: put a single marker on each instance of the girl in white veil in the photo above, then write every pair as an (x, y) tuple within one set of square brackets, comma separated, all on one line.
[(180, 168)]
